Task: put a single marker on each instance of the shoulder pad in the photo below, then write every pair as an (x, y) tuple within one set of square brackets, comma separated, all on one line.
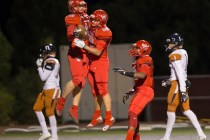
[(174, 57), (103, 33), (145, 60), (72, 19)]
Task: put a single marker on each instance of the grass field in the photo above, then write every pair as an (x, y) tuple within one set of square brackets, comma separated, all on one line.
[(188, 133)]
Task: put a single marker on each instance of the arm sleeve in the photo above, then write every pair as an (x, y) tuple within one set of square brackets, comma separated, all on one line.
[(70, 32), (179, 71)]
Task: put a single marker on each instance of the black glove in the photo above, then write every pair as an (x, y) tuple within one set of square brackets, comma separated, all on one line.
[(165, 82), (128, 94), (188, 84), (119, 69), (184, 97)]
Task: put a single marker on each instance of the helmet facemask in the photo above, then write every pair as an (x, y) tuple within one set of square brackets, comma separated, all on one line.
[(47, 50), (98, 18), (77, 6), (140, 48), (173, 42)]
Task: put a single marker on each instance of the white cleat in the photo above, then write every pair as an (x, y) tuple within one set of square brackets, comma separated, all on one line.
[(45, 136), (107, 127), (98, 120), (52, 138), (164, 138), (202, 137)]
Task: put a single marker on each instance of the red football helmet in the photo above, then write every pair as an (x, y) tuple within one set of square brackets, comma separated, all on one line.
[(140, 48), (76, 3), (99, 15), (84, 5)]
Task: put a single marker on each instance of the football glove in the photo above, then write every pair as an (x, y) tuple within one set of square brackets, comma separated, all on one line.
[(39, 62), (79, 43), (128, 94), (188, 84), (165, 82), (184, 97), (120, 70)]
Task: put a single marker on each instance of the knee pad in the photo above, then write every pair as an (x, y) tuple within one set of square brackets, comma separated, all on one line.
[(102, 88), (133, 119), (49, 112)]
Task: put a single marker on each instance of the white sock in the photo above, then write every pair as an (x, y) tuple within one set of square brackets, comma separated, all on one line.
[(194, 121), (170, 124), (53, 126), (42, 122)]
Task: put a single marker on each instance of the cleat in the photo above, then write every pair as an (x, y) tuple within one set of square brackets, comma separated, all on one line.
[(73, 113), (165, 138), (94, 122), (45, 136), (202, 137), (59, 106), (108, 124), (52, 138)]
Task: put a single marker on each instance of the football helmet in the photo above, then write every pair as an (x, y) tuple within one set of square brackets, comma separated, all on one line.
[(174, 41), (99, 15), (140, 48), (80, 32), (75, 3), (84, 5), (47, 49)]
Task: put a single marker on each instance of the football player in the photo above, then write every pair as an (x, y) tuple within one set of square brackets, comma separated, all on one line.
[(48, 68), (77, 57), (178, 93), (100, 37), (143, 91)]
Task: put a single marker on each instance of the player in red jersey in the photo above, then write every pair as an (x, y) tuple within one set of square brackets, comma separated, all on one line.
[(100, 37), (77, 57), (143, 89)]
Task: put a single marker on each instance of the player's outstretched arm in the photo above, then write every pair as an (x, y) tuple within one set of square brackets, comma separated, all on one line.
[(140, 75)]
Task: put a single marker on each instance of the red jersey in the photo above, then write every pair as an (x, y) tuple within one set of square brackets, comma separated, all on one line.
[(145, 65), (71, 21), (100, 39)]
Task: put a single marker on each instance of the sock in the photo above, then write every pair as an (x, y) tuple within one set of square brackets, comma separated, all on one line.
[(130, 134), (42, 122), (53, 126), (136, 136), (170, 124), (74, 107), (96, 114), (194, 121), (108, 114)]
